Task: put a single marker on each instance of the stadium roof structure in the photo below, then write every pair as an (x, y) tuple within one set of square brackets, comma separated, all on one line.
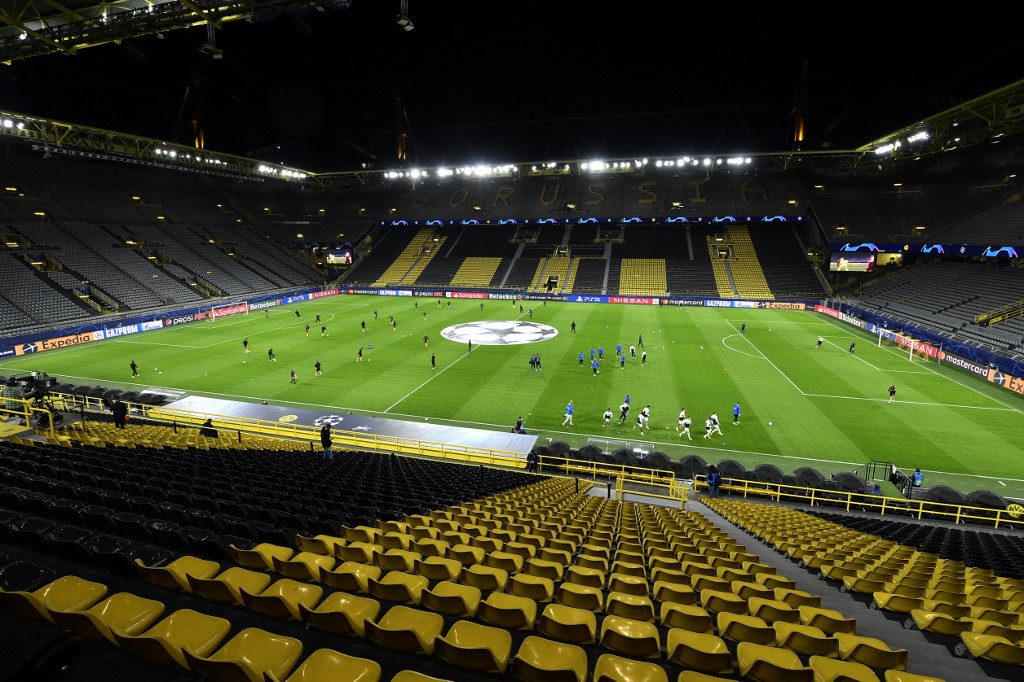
[(33, 28)]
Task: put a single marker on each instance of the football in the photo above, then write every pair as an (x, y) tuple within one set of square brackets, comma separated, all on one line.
[(769, 423)]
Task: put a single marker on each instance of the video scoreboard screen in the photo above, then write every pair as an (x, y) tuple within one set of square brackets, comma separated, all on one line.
[(852, 262)]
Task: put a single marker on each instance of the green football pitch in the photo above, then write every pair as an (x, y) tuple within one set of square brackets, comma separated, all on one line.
[(801, 405)]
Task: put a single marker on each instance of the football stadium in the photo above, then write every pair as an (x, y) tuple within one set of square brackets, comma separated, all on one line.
[(707, 416)]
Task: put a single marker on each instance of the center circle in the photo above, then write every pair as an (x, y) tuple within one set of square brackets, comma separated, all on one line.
[(499, 332)]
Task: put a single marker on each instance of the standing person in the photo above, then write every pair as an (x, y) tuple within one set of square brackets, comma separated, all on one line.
[(297, 314), (363, 323), (821, 340), (618, 349), (449, 305), (424, 315), (295, 377), (623, 413), (207, 429), (632, 352), (640, 341), (714, 480), (686, 428), (573, 326), (640, 422), (853, 344), (643, 358), (743, 327), (600, 353), (469, 348), (438, 304), (520, 308), (918, 478), (569, 409), (593, 366), (646, 414), (628, 400), (607, 419), (325, 441), (716, 426), (736, 413), (374, 314), (622, 361), (120, 412), (266, 313), (359, 355), (135, 370), (307, 330), (531, 312), (316, 368), (682, 418), (708, 426), (394, 325), (592, 353), (433, 361), (519, 424), (318, 318), (582, 358), (416, 304), (892, 393), (425, 340), (538, 362), (481, 306), (323, 331), (245, 344), (270, 354)]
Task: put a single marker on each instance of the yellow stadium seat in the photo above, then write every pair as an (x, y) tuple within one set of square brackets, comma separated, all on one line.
[(250, 654), (474, 646), (542, 660), (341, 614)]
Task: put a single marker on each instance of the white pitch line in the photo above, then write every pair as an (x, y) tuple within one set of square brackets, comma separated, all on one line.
[(947, 377), (910, 402), (765, 357), (437, 374), (1001, 483)]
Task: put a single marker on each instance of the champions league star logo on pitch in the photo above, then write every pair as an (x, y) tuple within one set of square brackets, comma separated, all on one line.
[(499, 333)]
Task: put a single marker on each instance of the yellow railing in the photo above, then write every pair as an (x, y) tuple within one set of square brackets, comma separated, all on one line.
[(851, 501), (261, 427), (660, 483)]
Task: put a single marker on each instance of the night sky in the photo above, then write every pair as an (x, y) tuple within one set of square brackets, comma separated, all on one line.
[(488, 81)]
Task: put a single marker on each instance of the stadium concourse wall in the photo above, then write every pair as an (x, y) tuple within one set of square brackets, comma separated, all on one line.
[(990, 366)]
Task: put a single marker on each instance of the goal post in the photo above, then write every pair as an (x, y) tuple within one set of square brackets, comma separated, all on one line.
[(913, 349)]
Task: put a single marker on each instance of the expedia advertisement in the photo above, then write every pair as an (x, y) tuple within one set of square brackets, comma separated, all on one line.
[(1007, 381), (781, 305), (59, 342)]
